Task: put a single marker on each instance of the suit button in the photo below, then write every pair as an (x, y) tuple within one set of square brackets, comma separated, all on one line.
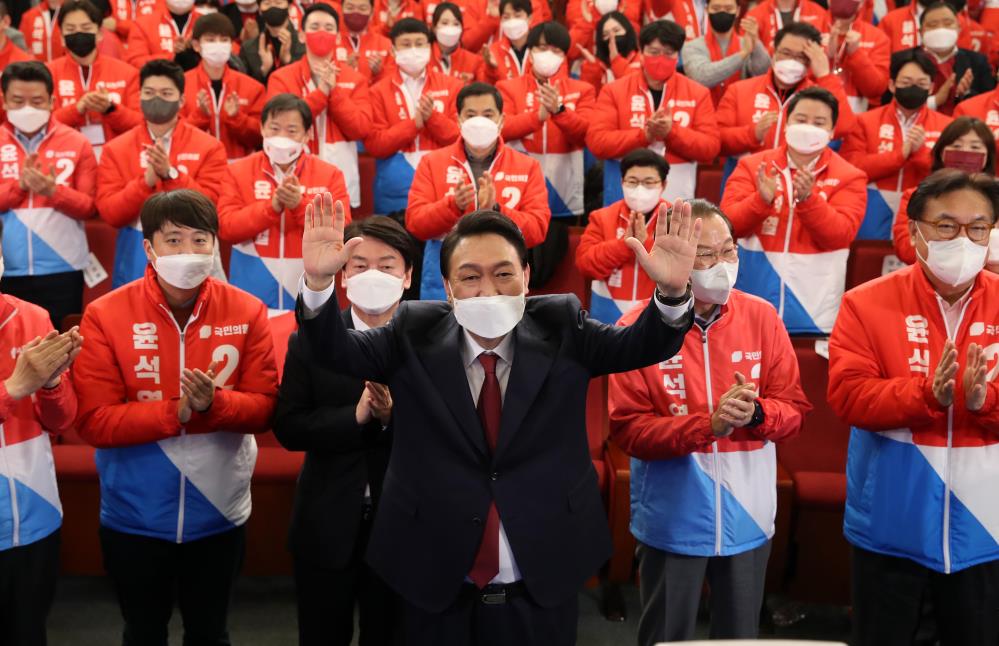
[(494, 476), (476, 520)]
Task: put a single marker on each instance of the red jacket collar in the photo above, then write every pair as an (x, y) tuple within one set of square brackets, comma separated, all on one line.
[(458, 151), (779, 157), (153, 291)]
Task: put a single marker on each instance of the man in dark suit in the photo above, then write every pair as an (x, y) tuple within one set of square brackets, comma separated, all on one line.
[(490, 519), (342, 423)]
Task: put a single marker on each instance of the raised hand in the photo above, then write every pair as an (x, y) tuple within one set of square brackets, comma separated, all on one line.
[(464, 196), (818, 59), (943, 376), (964, 85), (39, 362), (324, 252), (762, 127), (487, 191), (639, 229), (766, 184), (975, 378), (203, 103), (231, 105), (803, 182), (914, 140), (265, 54), (671, 259), (587, 54)]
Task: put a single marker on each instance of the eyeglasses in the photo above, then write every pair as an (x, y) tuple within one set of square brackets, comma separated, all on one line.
[(634, 183), (948, 229), (728, 254)]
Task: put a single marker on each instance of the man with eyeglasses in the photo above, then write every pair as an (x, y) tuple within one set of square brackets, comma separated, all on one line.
[(164, 153), (602, 256), (701, 428), (912, 366)]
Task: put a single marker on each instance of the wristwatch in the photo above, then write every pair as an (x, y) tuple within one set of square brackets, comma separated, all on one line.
[(173, 174), (111, 108), (673, 301), (758, 416), (561, 109)]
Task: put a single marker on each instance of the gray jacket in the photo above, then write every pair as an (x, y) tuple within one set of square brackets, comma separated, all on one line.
[(697, 63)]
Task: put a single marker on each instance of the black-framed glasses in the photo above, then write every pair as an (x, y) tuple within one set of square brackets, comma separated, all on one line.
[(948, 229)]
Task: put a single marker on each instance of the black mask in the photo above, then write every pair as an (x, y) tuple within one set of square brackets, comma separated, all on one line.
[(721, 21), (159, 111), (80, 43), (275, 16), (911, 97)]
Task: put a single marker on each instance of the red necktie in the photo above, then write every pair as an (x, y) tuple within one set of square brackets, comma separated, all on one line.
[(490, 407)]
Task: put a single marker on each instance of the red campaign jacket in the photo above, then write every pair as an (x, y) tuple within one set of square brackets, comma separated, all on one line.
[(865, 71), (603, 256), (618, 118), (240, 135), (125, 12), (462, 64), (245, 209), (582, 31), (746, 101), (520, 192), (901, 240), (371, 42), (561, 133), (347, 108), (41, 33), (481, 28), (768, 18), (121, 185), (152, 36), (597, 74), (983, 106), (902, 28), (393, 129), (128, 374), (121, 81), (508, 66)]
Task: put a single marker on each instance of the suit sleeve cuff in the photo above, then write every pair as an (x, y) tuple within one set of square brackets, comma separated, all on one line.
[(673, 313), (313, 300)]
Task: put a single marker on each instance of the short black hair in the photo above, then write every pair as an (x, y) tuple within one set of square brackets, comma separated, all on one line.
[(517, 5), (948, 180), (444, 7), (95, 14), (4, 11), (630, 38), (479, 89), (666, 32), (387, 230), (481, 223), (323, 7), (815, 93), (916, 56), (409, 26), (555, 35), (163, 67), (26, 71), (957, 129), (213, 23), (287, 102), (933, 7), (645, 158), (184, 207), (701, 208), (800, 29)]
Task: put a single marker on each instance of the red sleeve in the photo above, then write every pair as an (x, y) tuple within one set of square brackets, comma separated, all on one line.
[(646, 433), (621, 67), (597, 257), (248, 406), (69, 115), (56, 408), (698, 142), (385, 139), (900, 232), (120, 192), (123, 118), (741, 202), (480, 27), (592, 73), (351, 110), (106, 418), (575, 123), (604, 138), (834, 224), (988, 415), (240, 220), (876, 165), (428, 217), (859, 394), (77, 201), (195, 116), (580, 35), (846, 121), (210, 175), (869, 69), (516, 125), (532, 214), (736, 138), (442, 128), (783, 401), (245, 126), (139, 52), (11, 194)]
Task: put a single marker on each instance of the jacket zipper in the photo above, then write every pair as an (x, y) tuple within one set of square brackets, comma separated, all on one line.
[(31, 246), (15, 512), (789, 197), (714, 445), (280, 283)]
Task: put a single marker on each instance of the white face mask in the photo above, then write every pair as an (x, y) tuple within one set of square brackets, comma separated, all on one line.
[(515, 28), (806, 138), (993, 246), (954, 262), (479, 132), (489, 317), (413, 60), (604, 7), (940, 39), (179, 6), (641, 199), (448, 35), (714, 285), (281, 150), (789, 71), (374, 292), (216, 53), (28, 119), (184, 270), (547, 63)]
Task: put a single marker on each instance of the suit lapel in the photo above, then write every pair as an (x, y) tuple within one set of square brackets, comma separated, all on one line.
[(532, 359), (442, 358)]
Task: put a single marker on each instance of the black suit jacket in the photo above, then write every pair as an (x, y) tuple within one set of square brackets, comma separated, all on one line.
[(316, 414), (442, 477), (965, 59)]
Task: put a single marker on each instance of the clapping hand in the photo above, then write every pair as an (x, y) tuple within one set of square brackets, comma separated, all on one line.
[(197, 392), (671, 258)]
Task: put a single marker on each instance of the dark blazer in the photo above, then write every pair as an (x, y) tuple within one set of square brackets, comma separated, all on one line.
[(316, 414), (442, 477), (249, 52), (964, 59)]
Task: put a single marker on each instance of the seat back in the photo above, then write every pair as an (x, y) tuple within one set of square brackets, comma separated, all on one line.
[(597, 420), (567, 279), (868, 260), (101, 238)]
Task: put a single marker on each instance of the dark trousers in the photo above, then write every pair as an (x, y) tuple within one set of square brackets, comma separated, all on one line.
[(470, 622), (671, 593), (59, 294), (150, 574), (27, 586), (327, 598), (888, 594)]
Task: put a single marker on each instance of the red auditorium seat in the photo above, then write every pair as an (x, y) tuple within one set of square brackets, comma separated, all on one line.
[(816, 460), (101, 238), (867, 261), (709, 178), (79, 491), (567, 279), (366, 171)]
